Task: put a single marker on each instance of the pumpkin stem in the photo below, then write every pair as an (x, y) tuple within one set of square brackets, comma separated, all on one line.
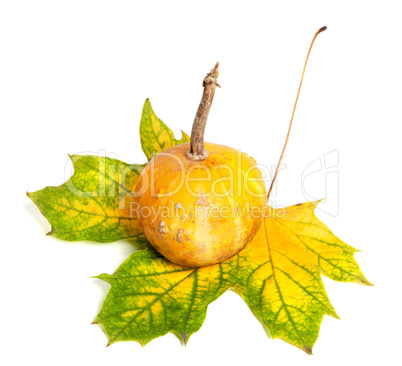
[(197, 150)]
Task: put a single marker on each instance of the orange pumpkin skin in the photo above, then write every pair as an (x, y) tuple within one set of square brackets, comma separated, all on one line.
[(199, 213)]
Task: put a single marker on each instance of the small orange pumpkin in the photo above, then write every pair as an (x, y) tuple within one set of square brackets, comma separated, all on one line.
[(200, 205)]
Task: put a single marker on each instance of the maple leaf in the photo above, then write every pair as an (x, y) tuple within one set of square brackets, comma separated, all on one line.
[(278, 274)]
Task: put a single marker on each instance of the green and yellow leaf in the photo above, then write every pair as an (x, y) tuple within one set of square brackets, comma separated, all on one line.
[(95, 203), (151, 296), (278, 275), (155, 135), (281, 273)]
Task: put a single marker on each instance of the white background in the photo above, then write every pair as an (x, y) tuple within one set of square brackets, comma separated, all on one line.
[(74, 77)]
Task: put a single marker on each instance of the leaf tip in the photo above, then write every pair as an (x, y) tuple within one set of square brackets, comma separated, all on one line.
[(147, 103), (308, 350), (103, 277), (333, 313), (317, 202), (364, 281), (185, 338), (72, 157)]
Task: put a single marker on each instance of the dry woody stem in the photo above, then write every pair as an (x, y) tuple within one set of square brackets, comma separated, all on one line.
[(197, 150)]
